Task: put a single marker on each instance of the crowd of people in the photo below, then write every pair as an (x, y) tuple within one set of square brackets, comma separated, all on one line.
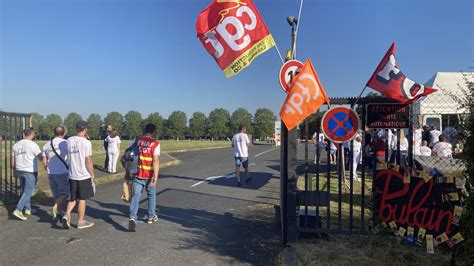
[(70, 170), (382, 145), (69, 165)]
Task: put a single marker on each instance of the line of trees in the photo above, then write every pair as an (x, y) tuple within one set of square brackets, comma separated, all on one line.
[(219, 124)]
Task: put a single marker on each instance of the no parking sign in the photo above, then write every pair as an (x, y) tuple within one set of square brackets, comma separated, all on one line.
[(340, 124)]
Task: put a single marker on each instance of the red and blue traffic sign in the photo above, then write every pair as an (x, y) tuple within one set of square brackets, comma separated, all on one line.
[(340, 124)]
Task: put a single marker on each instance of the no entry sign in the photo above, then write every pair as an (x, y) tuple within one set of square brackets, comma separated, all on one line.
[(287, 72), (340, 124)]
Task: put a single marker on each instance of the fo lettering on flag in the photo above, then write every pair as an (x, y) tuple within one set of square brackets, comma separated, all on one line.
[(391, 82), (233, 33), (306, 96)]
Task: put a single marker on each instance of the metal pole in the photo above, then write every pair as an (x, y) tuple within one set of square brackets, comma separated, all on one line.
[(288, 177)]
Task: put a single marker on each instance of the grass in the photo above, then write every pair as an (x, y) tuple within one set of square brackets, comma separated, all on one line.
[(356, 249), (98, 155), (374, 249)]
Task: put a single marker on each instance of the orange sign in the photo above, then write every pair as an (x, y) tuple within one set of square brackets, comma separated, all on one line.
[(306, 96)]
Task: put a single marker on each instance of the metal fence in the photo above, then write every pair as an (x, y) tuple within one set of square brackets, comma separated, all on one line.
[(11, 130), (321, 197)]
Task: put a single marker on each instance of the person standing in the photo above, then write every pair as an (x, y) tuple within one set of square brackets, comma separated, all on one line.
[(434, 135), (356, 155), (332, 153), (417, 136), (25, 164), (113, 151), (107, 131), (81, 176), (54, 160), (319, 143), (146, 177), (240, 143)]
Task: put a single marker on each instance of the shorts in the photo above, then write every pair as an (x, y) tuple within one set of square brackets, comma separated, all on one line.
[(241, 160), (332, 152), (59, 184), (81, 189)]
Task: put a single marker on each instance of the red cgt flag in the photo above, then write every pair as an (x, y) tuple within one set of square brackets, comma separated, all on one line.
[(233, 32), (391, 82)]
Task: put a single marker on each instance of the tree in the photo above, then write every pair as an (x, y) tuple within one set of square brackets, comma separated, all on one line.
[(197, 125), (115, 119), (70, 122), (95, 126), (241, 117), (264, 123), (177, 124), (132, 125), (157, 120), (219, 123), (50, 122)]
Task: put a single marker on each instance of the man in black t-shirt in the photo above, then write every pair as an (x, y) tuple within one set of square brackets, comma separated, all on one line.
[(107, 131)]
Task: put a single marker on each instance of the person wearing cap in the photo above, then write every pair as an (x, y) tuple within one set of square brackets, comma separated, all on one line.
[(25, 164), (81, 176)]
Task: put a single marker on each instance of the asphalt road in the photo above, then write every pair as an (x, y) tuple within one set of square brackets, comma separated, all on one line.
[(205, 219)]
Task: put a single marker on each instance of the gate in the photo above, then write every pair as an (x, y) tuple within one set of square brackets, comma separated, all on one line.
[(11, 130), (320, 197)]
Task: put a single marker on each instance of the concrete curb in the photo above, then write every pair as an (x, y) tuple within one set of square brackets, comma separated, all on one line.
[(289, 257), (102, 180), (199, 149)]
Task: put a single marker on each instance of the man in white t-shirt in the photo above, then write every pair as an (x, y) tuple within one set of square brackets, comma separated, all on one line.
[(81, 176), (25, 164), (54, 160), (434, 136), (424, 149), (240, 143), (319, 144), (417, 136), (442, 148)]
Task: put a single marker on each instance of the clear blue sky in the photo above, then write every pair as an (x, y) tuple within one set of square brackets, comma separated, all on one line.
[(97, 56)]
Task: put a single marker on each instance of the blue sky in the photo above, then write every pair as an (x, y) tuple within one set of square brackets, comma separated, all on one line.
[(97, 56)]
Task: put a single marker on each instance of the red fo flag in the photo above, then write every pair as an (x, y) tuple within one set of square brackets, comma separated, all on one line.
[(391, 82), (233, 32)]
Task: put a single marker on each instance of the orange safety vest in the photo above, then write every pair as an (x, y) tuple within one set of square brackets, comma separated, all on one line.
[(146, 146)]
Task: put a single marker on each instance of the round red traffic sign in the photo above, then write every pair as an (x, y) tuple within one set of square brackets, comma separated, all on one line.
[(340, 124), (287, 72)]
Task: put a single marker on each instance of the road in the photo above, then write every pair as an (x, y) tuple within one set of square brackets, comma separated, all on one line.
[(205, 219)]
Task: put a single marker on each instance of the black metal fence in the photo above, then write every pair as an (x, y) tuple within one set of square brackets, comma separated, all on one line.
[(11, 130), (338, 197)]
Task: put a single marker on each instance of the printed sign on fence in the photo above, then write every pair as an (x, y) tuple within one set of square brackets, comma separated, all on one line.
[(388, 115)]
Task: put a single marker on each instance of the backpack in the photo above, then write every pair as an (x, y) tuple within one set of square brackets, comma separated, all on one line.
[(130, 159)]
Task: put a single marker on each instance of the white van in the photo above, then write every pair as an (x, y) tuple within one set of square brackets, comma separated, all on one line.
[(442, 108)]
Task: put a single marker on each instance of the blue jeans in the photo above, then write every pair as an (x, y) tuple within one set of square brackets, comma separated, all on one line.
[(28, 183), (137, 188)]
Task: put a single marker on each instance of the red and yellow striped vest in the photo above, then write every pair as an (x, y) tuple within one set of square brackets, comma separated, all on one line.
[(146, 146)]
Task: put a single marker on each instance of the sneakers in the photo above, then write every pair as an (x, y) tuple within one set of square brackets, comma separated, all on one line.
[(239, 184), (53, 213), (27, 212), (18, 214), (153, 219), (84, 224), (66, 222), (248, 180), (132, 224)]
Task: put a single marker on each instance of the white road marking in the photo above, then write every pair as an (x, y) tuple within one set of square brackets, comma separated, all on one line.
[(228, 176), (267, 151)]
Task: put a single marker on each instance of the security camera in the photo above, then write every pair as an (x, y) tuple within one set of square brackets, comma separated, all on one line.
[(292, 20)]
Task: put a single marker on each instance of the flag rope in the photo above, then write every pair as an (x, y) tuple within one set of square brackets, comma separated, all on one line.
[(278, 51)]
